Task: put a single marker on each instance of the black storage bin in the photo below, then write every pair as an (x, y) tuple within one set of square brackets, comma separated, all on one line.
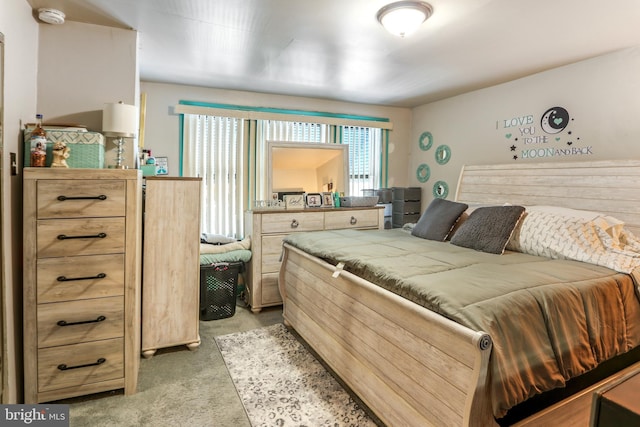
[(219, 289)]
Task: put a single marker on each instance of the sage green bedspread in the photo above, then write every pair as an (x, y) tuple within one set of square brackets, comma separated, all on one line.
[(550, 320)]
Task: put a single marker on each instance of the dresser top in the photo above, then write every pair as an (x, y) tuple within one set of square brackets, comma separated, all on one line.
[(78, 173), (319, 209)]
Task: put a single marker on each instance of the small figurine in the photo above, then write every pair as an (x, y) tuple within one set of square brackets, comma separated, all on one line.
[(60, 155)]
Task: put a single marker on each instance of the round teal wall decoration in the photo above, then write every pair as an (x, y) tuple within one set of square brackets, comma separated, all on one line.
[(443, 154), (440, 190), (423, 173), (426, 141)]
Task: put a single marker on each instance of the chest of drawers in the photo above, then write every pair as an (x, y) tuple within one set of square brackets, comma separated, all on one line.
[(81, 281), (267, 228)]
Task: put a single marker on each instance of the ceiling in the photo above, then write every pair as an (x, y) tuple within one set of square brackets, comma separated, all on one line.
[(335, 49)]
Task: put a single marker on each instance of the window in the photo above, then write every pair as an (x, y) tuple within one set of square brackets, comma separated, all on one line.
[(226, 146), (213, 151), (365, 154)]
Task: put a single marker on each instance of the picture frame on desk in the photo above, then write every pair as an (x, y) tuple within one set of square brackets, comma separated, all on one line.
[(162, 166), (293, 201), (313, 200), (327, 199)]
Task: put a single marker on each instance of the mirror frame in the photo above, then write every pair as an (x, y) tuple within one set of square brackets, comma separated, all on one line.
[(307, 146)]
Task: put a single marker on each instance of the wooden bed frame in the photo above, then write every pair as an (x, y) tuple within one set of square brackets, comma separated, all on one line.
[(413, 367)]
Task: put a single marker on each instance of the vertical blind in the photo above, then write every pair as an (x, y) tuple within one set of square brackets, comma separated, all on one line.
[(213, 151), (365, 151)]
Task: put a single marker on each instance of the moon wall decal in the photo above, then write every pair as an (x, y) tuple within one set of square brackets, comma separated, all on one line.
[(554, 120)]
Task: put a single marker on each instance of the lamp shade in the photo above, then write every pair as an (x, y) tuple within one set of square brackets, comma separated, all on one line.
[(403, 18), (120, 119)]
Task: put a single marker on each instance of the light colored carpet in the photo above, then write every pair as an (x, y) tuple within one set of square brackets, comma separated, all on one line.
[(281, 384), (178, 387)]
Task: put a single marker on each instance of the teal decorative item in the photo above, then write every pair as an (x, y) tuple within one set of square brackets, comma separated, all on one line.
[(443, 154), (423, 173), (440, 190), (426, 141)]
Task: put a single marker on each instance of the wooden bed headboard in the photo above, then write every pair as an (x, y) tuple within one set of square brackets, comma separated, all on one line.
[(611, 187)]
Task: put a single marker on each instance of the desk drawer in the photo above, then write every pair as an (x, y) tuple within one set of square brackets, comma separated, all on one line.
[(52, 362), (82, 318), (79, 277), (292, 221), (351, 219), (83, 236), (82, 198)]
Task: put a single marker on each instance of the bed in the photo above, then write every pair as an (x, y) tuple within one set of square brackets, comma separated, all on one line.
[(415, 362)]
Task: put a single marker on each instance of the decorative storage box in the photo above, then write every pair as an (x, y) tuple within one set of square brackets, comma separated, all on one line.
[(87, 148), (385, 195), (355, 201), (219, 289)]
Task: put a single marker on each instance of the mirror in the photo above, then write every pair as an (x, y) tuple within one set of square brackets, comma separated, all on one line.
[(440, 190), (307, 167), (423, 172), (443, 154)]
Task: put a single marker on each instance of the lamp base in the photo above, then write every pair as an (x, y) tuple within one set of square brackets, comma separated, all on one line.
[(119, 142)]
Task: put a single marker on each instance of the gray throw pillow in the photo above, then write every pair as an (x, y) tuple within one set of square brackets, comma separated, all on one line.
[(437, 221), (488, 229)]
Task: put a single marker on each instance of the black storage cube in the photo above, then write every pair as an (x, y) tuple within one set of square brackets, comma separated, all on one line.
[(219, 289)]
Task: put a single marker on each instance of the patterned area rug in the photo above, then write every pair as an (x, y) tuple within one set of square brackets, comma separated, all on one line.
[(281, 384)]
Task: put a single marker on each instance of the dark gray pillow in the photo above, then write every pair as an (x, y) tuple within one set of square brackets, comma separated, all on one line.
[(488, 229), (437, 221)]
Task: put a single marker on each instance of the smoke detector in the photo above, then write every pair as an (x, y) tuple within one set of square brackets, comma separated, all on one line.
[(51, 16)]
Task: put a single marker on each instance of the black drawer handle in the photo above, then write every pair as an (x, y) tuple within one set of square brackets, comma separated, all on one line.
[(65, 323), (353, 220), (295, 223), (94, 236), (64, 367), (100, 197), (71, 279)]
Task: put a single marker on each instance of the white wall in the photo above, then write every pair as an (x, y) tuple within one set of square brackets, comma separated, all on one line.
[(81, 68), (162, 136), (20, 31), (601, 95)]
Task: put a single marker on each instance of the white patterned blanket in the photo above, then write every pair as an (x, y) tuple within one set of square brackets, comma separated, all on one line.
[(598, 240)]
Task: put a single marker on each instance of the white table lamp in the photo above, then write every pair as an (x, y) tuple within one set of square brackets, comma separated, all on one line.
[(120, 120)]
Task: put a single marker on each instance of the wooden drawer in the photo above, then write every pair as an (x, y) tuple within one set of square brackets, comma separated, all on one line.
[(50, 333), (286, 222), (351, 219), (99, 198), (271, 251), (52, 377), (49, 243), (74, 278), (270, 290)]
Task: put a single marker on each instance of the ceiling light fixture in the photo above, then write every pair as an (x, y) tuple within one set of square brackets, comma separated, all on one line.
[(51, 16), (403, 18)]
